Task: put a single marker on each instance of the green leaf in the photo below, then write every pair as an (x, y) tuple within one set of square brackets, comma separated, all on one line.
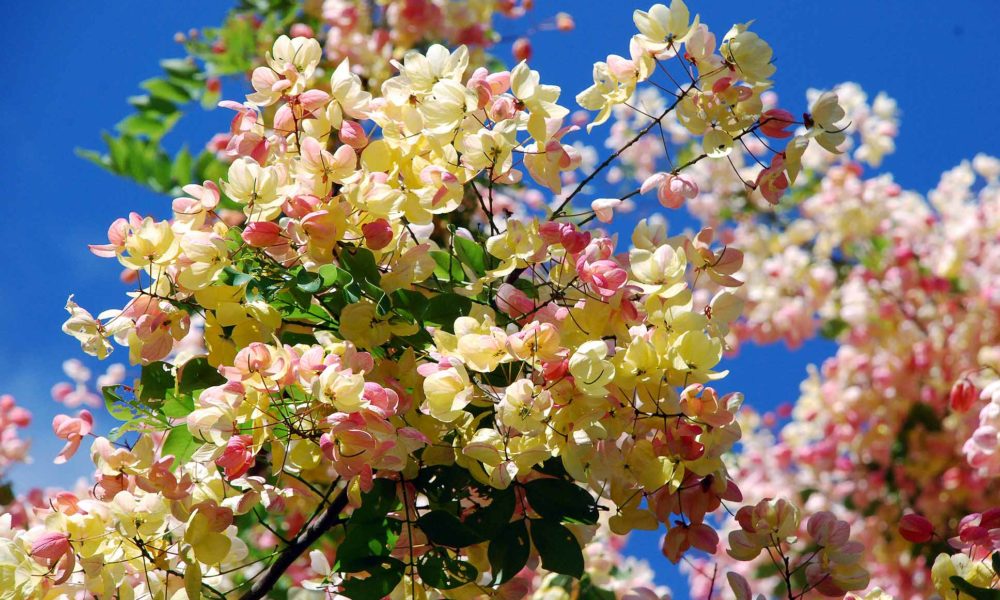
[(180, 443), (444, 571), (196, 374), (179, 67), (445, 529), (408, 303), (492, 519), (833, 328), (143, 125), (6, 494), (509, 551), (589, 591), (360, 263), (381, 580), (559, 550), (177, 406), (161, 88), (443, 309), (308, 281), (995, 561), (561, 500), (180, 170), (115, 405), (448, 268), (378, 502), (471, 254), (333, 275), (369, 532), (976, 593), (156, 379)]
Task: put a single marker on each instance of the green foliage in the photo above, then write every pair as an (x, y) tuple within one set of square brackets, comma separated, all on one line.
[(561, 500), (508, 552), (965, 588), (559, 550)]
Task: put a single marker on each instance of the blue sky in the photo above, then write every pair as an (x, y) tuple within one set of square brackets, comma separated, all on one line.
[(70, 67)]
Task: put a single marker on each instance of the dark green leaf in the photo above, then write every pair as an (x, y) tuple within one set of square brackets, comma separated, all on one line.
[(179, 67), (561, 500), (833, 328), (443, 309), (490, 520), (440, 569), (559, 550), (379, 583), (360, 263), (509, 551), (445, 529), (196, 374), (589, 591), (6, 494), (156, 379), (976, 593), (308, 281), (369, 532)]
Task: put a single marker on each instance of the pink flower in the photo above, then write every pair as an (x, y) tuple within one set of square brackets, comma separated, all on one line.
[(54, 551), (774, 122), (353, 135), (671, 190), (514, 302), (680, 538), (238, 457), (604, 208), (378, 234), (963, 395), (773, 181), (71, 429), (915, 528), (263, 234), (521, 49)]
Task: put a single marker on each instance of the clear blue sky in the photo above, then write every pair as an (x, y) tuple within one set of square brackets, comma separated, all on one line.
[(69, 67)]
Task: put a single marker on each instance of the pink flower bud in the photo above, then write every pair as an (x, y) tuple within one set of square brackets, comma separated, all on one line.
[(237, 458), (377, 234), (915, 528), (263, 234), (963, 395), (564, 22), (674, 190), (353, 135), (522, 49), (301, 30)]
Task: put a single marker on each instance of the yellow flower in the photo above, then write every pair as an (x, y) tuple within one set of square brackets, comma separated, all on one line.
[(661, 271), (747, 52), (151, 243), (255, 187), (590, 369), (662, 28), (447, 392)]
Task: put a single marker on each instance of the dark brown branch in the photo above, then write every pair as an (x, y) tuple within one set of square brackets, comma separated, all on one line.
[(306, 538), (607, 162)]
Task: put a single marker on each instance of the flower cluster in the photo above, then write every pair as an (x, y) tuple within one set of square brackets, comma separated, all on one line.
[(349, 348)]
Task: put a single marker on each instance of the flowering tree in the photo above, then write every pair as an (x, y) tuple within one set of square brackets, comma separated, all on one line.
[(377, 361)]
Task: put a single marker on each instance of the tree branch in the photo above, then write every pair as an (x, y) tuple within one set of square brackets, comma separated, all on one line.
[(306, 538)]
